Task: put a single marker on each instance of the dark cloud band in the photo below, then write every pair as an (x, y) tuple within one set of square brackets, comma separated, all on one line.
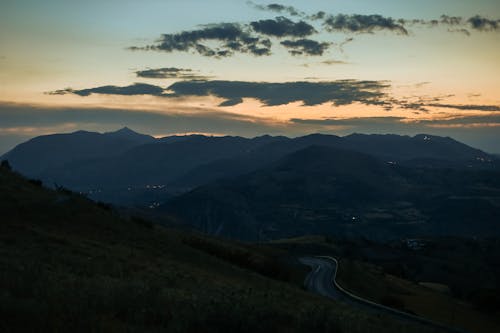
[(305, 47), (134, 89), (283, 27), (341, 92), (171, 73), (363, 24)]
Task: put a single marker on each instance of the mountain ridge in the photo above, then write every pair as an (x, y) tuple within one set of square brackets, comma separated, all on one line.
[(113, 162)]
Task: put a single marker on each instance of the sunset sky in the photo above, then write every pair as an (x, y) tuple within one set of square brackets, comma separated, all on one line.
[(227, 67)]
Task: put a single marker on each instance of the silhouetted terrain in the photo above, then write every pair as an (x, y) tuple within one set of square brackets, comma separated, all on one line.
[(384, 200), (324, 190), (128, 168), (49, 152), (68, 264)]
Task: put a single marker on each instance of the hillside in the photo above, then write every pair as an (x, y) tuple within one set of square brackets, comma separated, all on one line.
[(454, 281), (324, 190), (68, 264)]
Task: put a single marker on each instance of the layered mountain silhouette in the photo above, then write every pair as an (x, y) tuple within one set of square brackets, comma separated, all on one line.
[(369, 186), (325, 190), (121, 159), (44, 153)]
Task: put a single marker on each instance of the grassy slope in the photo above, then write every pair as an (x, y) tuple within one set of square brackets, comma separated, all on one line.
[(370, 281), (67, 264), (397, 292)]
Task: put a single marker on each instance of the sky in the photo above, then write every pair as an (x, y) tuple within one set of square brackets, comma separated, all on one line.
[(226, 67)]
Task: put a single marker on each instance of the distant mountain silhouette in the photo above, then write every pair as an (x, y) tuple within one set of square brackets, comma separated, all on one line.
[(252, 206), (117, 161), (41, 154), (325, 190)]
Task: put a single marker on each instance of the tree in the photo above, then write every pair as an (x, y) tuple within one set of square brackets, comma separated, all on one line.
[(6, 165)]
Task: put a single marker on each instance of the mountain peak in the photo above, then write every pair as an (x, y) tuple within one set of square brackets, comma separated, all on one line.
[(129, 134), (125, 130)]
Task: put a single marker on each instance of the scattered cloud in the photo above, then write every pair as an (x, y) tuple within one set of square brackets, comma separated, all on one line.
[(330, 62), (134, 89), (398, 124), (356, 121), (363, 24), (171, 73), (483, 24), (277, 8), (472, 107), (232, 37), (283, 27), (451, 20), (421, 84), (317, 16), (305, 47), (344, 43), (459, 24), (461, 31), (221, 40)]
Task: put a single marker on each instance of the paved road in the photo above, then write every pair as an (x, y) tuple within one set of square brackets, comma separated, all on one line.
[(322, 280)]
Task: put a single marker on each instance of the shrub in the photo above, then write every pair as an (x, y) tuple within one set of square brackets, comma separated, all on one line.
[(105, 206), (36, 182), (142, 222), (6, 165)]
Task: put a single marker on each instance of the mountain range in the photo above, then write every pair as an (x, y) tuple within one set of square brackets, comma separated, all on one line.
[(268, 187), (87, 160)]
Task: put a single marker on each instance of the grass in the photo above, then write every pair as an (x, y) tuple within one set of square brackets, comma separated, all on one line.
[(68, 264), (373, 281)]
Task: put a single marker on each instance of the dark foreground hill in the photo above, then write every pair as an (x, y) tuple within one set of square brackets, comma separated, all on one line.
[(67, 264), (324, 190)]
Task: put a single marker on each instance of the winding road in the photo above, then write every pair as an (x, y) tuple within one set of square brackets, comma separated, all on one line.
[(322, 280)]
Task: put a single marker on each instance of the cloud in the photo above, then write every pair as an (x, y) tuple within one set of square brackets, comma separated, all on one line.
[(472, 107), (38, 118), (277, 8), (339, 92), (357, 23), (232, 38), (459, 24), (461, 30), (283, 27), (305, 47), (356, 121), (171, 73), (330, 62), (451, 20), (134, 89), (467, 120), (318, 16), (221, 40), (363, 24), (400, 124), (483, 24)]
